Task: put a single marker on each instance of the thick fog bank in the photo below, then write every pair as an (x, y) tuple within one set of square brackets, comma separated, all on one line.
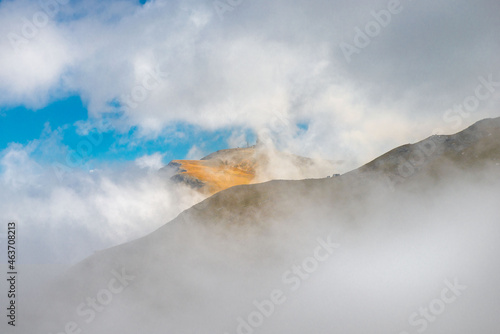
[(419, 258)]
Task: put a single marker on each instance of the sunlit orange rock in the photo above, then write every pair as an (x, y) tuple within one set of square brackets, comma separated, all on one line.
[(231, 167)]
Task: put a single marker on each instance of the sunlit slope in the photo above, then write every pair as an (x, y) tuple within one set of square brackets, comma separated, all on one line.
[(213, 177), (231, 167)]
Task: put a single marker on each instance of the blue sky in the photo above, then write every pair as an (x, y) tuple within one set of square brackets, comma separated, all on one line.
[(21, 125), (51, 131)]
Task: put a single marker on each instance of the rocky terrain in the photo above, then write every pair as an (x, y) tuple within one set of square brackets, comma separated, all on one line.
[(231, 167)]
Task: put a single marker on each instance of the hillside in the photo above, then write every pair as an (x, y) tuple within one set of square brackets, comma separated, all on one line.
[(231, 167), (399, 232), (476, 144)]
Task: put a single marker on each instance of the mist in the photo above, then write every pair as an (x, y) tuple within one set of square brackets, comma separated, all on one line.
[(338, 255), (63, 218)]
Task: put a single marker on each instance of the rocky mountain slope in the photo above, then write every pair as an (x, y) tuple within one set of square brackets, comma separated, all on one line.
[(317, 255), (231, 167), (474, 146)]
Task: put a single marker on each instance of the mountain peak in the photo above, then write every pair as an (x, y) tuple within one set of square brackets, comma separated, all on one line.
[(238, 166)]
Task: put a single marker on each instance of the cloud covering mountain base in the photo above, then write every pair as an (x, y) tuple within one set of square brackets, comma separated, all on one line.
[(340, 255)]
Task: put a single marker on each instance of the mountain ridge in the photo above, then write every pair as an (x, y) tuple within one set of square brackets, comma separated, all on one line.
[(248, 235), (237, 166)]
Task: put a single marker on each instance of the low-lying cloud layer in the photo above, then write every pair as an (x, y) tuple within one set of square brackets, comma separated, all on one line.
[(366, 259), (65, 217)]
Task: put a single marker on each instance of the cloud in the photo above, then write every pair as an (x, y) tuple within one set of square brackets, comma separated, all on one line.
[(195, 153), (171, 61), (265, 66), (34, 55), (65, 219), (219, 264), (18, 168), (152, 162)]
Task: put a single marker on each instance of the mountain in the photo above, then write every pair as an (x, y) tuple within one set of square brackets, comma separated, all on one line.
[(231, 167), (471, 148), (406, 243)]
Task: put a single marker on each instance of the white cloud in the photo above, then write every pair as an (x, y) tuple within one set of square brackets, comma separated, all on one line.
[(237, 139), (66, 219), (195, 153), (34, 55), (18, 168), (152, 162), (245, 69)]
